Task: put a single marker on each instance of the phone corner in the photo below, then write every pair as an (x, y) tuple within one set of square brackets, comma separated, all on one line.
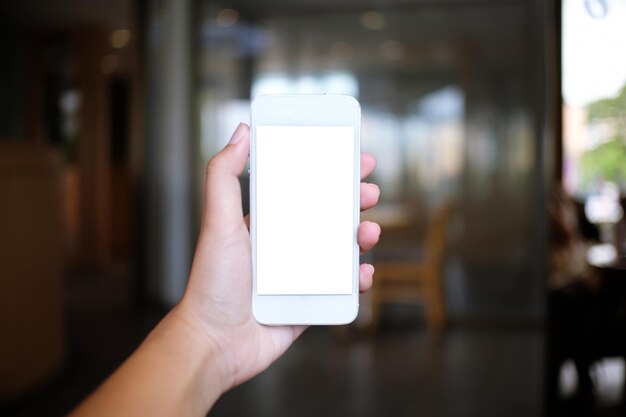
[(351, 317), (257, 316), (352, 100), (256, 102)]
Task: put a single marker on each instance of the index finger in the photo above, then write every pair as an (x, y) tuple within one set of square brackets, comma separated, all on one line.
[(368, 163)]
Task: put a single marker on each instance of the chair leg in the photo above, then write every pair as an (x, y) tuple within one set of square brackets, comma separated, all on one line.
[(435, 311), (436, 317)]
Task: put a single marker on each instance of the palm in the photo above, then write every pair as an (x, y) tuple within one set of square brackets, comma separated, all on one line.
[(228, 307)]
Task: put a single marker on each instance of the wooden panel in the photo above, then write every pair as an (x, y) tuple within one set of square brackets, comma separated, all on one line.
[(94, 147), (31, 265)]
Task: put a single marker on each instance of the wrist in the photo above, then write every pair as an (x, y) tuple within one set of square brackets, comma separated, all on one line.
[(215, 371), (179, 339)]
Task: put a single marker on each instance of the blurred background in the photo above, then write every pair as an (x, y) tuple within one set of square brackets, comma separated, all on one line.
[(500, 132)]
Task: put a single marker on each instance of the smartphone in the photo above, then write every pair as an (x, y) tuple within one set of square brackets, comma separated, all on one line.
[(304, 208)]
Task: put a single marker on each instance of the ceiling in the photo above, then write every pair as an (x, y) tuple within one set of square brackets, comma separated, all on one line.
[(306, 7), (109, 14)]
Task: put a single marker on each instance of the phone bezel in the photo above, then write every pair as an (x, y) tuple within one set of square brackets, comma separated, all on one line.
[(306, 110)]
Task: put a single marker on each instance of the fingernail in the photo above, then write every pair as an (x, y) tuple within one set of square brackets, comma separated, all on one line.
[(238, 134)]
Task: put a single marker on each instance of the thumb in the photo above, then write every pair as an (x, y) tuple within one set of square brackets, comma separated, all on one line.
[(222, 200)]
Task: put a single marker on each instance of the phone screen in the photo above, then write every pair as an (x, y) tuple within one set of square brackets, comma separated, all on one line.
[(305, 210)]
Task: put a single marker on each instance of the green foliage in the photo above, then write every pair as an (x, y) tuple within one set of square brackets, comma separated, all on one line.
[(609, 108), (607, 162)]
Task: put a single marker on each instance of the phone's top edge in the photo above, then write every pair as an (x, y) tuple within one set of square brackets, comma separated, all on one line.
[(320, 95), (304, 95), (312, 96)]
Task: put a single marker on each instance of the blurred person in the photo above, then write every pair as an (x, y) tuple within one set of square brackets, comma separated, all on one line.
[(568, 249), (572, 296), (210, 342)]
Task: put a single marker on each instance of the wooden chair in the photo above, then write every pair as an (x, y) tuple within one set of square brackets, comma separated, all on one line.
[(413, 279)]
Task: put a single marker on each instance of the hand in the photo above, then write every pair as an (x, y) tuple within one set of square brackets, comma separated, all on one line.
[(217, 302), (210, 342)]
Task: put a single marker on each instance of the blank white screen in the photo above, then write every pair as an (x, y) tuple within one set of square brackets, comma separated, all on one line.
[(304, 209)]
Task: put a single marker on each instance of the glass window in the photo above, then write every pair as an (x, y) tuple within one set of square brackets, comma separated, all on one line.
[(594, 96), (447, 92)]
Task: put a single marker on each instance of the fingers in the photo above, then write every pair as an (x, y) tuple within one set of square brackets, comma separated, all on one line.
[(368, 235), (222, 202), (369, 195), (366, 277), (298, 330), (368, 163)]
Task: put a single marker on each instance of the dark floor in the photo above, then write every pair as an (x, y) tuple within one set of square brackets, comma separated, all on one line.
[(98, 341), (471, 370), (402, 371)]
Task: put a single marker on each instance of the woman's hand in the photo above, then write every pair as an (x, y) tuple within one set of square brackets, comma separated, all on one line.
[(217, 302), (210, 342)]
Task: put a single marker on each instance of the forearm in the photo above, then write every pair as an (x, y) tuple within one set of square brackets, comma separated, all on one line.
[(174, 372)]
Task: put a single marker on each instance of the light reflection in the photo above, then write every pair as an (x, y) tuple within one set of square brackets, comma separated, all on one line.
[(604, 207), (218, 120), (227, 17), (109, 64), (434, 149), (120, 38), (342, 51), (341, 83), (593, 56), (382, 136), (596, 8), (373, 20), (338, 82), (271, 84), (69, 103), (392, 50), (307, 84), (607, 375), (602, 254), (568, 379)]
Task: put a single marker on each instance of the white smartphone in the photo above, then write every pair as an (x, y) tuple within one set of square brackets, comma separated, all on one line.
[(304, 208)]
